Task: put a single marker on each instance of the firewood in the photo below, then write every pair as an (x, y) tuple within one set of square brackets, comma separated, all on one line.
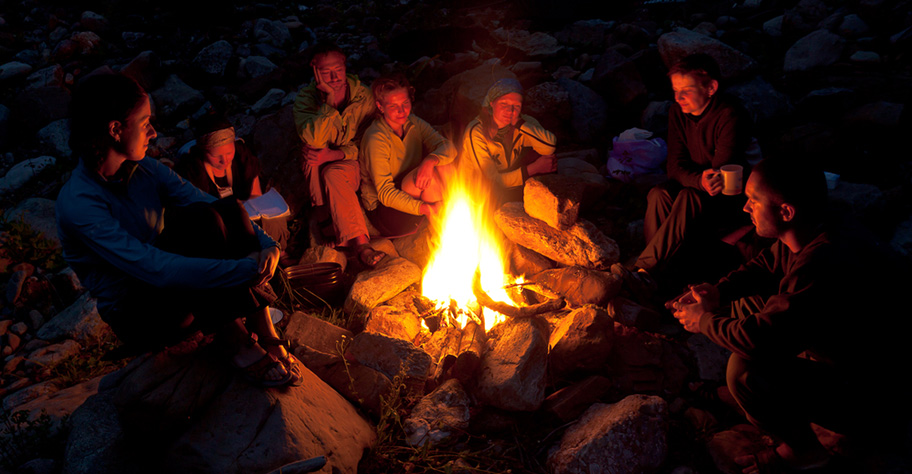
[(510, 310), (471, 347)]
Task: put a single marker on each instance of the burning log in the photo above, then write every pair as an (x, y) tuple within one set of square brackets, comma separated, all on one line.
[(510, 310), (471, 347), (448, 354)]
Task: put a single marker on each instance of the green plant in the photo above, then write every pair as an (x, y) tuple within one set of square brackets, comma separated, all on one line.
[(22, 439), (87, 364), (21, 244)]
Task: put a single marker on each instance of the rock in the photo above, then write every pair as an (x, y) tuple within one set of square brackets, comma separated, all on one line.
[(773, 26), (582, 244), (93, 21), (15, 283), (513, 369), (586, 34), (176, 97), (581, 342), (590, 112), (55, 138), (59, 404), (387, 279), (741, 440), (279, 149), (528, 262), (439, 416), (256, 66), (393, 357), (762, 100), (675, 45), (39, 466), (80, 321), (393, 322), (40, 214), (145, 68), (86, 42), (14, 70), (214, 58), (96, 443), (317, 334), (550, 104), (465, 91), (12, 343), (865, 57), (322, 253), (367, 387), (580, 286), (554, 199), (618, 78), (628, 436), (878, 114), (902, 238), (576, 164), (33, 108), (852, 26), (568, 403), (531, 45), (804, 16), (711, 359), (820, 48), (271, 100), (416, 248), (272, 32), (24, 171), (4, 125), (51, 355), (863, 199), (644, 361), (49, 76), (27, 394), (631, 314)]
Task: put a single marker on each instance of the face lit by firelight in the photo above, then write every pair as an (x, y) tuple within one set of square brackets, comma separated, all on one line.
[(506, 109), (395, 106)]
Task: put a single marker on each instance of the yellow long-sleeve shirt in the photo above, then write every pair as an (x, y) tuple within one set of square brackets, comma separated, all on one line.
[(502, 166), (320, 125), (386, 158)]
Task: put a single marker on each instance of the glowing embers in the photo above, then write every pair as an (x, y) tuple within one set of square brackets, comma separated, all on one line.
[(467, 244)]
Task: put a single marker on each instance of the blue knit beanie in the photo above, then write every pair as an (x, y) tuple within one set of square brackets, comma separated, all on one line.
[(500, 89)]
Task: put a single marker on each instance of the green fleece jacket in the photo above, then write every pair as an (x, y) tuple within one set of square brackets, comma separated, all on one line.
[(386, 159), (502, 167), (320, 125)]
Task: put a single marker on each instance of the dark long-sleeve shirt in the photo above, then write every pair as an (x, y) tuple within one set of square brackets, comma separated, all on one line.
[(718, 137)]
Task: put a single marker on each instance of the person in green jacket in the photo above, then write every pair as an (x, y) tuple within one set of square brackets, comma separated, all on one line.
[(506, 146), (405, 162), (330, 114)]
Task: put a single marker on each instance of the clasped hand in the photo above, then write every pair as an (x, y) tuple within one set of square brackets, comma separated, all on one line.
[(693, 304), (267, 261), (711, 181)]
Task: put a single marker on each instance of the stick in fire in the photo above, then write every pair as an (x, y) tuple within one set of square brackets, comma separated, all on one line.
[(510, 310)]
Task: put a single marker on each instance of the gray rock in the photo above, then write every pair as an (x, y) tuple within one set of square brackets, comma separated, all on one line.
[(580, 286), (93, 21), (279, 147), (711, 359), (586, 34), (55, 138), (387, 279), (86, 41), (820, 48), (631, 314), (14, 70), (4, 125), (393, 357), (271, 32), (902, 238), (27, 394), (368, 388), (531, 45), (773, 26), (271, 100), (53, 354), (618, 78), (214, 58), (863, 199), (145, 68), (581, 341), (96, 443), (322, 253), (576, 164), (40, 214), (175, 96), (642, 361), (550, 103), (24, 171), (394, 322), (317, 334), (49, 76), (513, 368), (256, 66), (59, 404), (628, 436), (463, 93), (582, 244), (805, 16), (852, 26), (554, 199), (36, 107), (762, 100), (879, 114), (675, 45), (590, 112), (80, 321), (865, 57), (568, 403), (440, 416)]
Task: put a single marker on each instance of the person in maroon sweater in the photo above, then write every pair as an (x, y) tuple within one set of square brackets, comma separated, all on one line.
[(807, 321), (706, 130)]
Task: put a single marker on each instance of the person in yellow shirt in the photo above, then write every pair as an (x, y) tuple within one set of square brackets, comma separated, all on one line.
[(329, 115), (405, 162), (506, 146)]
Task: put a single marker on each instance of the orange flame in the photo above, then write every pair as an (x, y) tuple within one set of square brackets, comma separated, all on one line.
[(468, 244)]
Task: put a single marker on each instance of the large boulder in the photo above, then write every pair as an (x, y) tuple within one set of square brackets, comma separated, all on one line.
[(79, 321), (820, 48), (618, 78), (628, 436), (581, 341), (176, 97), (590, 112), (579, 285), (39, 213), (387, 279), (214, 58), (513, 369), (673, 46), (440, 416)]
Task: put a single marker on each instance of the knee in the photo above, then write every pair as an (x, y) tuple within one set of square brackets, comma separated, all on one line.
[(736, 376), (658, 194)]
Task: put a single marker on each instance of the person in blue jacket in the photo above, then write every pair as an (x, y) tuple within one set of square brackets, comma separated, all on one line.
[(162, 258)]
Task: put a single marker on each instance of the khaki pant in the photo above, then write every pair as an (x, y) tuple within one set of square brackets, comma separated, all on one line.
[(336, 184)]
